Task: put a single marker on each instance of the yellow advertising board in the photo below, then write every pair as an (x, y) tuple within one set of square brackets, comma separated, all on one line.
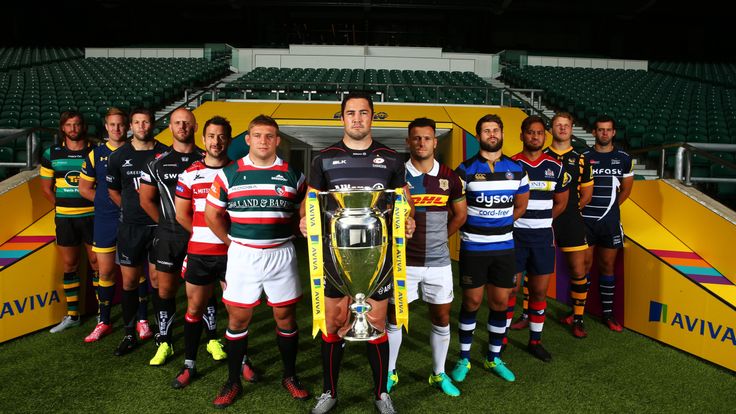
[(667, 306)]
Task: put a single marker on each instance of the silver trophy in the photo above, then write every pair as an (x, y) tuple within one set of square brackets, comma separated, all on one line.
[(358, 244)]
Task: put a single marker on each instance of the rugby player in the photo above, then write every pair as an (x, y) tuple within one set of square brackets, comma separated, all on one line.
[(206, 259), (74, 215), (136, 230), (613, 179), (251, 207), (356, 162), (569, 226), (158, 187), (439, 211), (497, 193), (534, 243)]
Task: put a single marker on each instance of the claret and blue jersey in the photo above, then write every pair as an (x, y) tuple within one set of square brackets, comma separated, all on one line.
[(490, 196)]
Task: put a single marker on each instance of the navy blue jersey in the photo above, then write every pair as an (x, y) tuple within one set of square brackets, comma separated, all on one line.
[(94, 170), (490, 197), (547, 177), (609, 170)]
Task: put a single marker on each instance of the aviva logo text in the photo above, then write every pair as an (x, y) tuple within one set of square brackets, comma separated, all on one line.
[(17, 307), (691, 324)]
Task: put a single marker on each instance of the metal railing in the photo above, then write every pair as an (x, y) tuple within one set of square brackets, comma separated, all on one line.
[(683, 160), (32, 144)]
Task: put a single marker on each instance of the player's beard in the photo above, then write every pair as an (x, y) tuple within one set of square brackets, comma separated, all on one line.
[(531, 147), (357, 135), (77, 138), (188, 139), (486, 146)]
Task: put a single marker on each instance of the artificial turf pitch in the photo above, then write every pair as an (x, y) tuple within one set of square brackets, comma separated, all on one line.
[(606, 372)]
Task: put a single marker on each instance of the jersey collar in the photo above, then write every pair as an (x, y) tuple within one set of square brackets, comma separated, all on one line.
[(248, 163), (416, 173), (559, 152)]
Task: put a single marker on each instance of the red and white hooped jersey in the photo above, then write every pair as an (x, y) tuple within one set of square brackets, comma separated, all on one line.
[(194, 184)]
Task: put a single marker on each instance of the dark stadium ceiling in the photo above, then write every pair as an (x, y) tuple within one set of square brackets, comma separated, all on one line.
[(614, 28)]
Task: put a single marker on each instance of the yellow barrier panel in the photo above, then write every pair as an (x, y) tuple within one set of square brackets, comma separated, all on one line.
[(21, 206), (712, 237), (663, 304)]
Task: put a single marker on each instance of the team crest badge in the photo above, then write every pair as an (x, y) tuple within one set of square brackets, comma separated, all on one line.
[(549, 173), (280, 190), (509, 175), (480, 177), (378, 160), (444, 184)]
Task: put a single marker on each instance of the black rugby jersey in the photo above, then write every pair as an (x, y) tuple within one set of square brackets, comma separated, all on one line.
[(581, 175), (124, 168), (609, 171), (163, 172), (340, 167)]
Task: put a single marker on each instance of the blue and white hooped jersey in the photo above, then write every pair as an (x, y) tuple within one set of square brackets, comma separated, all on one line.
[(547, 177), (609, 170), (490, 197)]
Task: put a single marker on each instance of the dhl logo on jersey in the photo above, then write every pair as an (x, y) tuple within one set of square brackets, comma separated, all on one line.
[(429, 200)]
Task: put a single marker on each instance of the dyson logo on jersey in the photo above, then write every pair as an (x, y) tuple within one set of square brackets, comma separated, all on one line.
[(607, 171), (490, 200)]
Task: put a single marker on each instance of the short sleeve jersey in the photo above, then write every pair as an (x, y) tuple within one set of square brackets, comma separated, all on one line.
[(433, 194), (609, 170), (547, 177), (490, 196), (194, 185), (124, 168), (94, 170), (261, 201), (64, 166), (581, 175), (163, 173)]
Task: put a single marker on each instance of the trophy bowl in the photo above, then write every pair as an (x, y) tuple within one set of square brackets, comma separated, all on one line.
[(358, 245)]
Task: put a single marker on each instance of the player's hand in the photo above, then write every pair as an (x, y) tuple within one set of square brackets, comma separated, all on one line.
[(303, 226), (411, 225)]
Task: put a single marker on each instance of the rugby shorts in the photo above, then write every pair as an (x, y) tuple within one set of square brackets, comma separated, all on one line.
[(482, 268), (203, 270), (135, 242), (73, 231), (252, 272)]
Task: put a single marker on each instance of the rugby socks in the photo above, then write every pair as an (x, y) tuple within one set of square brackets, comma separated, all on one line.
[(378, 358), (394, 343), (71, 291), (439, 341), (579, 294), (496, 332), (105, 293), (166, 314), (237, 346), (210, 318), (129, 305), (536, 321), (96, 283), (607, 284), (525, 291), (465, 329), (192, 333), (333, 348), (288, 343), (510, 310), (143, 299)]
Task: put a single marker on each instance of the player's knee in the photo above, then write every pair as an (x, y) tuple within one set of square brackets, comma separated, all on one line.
[(471, 304), (194, 311), (440, 320)]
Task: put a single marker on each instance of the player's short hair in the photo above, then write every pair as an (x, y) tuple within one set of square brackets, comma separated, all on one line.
[(356, 95), (67, 115), (143, 111), (488, 118), (604, 118), (264, 120), (531, 120), (565, 115), (423, 122), (219, 121), (112, 111)]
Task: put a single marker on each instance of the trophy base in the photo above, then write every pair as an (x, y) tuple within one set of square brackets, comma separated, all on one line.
[(362, 334)]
